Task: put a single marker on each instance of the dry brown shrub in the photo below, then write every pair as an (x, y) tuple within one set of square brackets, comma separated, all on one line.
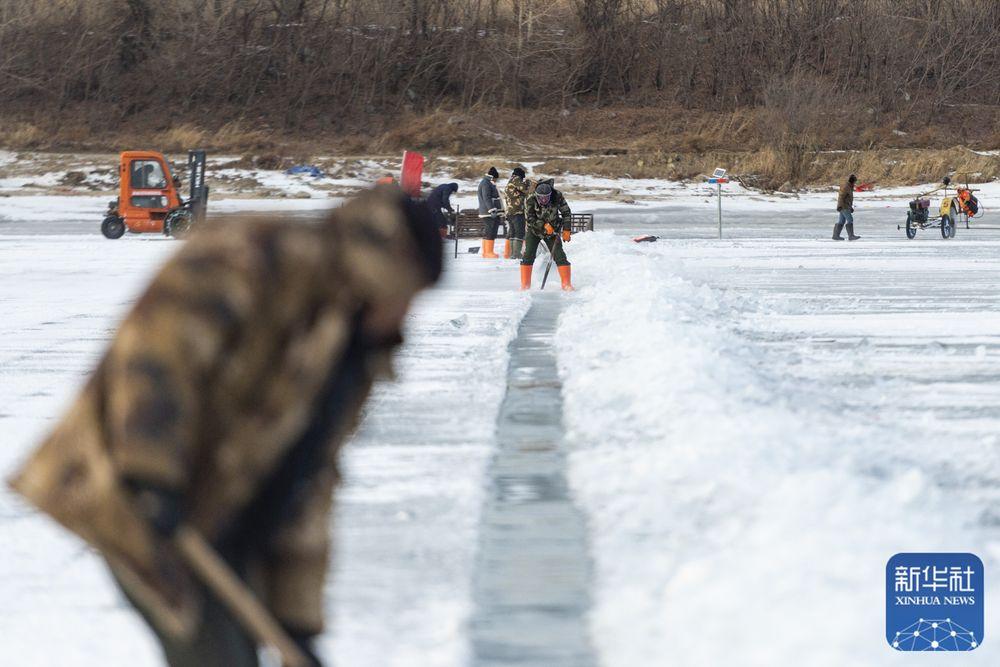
[(237, 136), (21, 136), (446, 133), (181, 138)]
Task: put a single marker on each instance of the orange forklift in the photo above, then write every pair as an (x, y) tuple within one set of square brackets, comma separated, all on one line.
[(148, 199)]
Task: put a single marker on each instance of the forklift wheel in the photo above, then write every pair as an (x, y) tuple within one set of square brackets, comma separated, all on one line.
[(113, 227), (178, 223)]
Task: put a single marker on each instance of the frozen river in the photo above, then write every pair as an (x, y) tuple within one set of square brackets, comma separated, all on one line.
[(755, 425)]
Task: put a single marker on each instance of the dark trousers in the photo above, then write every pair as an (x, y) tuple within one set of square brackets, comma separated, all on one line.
[(490, 229), (531, 241), (219, 638), (516, 223), (440, 219)]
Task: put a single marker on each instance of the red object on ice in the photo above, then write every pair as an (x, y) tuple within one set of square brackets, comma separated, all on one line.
[(413, 171), (864, 187), (648, 238)]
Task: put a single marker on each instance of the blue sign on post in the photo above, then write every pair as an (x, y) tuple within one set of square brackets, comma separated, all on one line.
[(934, 602)]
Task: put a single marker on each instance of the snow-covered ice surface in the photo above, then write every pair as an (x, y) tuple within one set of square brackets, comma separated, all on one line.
[(757, 425), (760, 423), (60, 296), (407, 515)]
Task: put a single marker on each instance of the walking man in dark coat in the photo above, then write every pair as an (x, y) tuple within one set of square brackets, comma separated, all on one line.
[(490, 210), (845, 206), (439, 203), (219, 409)]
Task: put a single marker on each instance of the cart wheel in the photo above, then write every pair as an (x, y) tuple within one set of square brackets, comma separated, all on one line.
[(947, 226), (911, 230), (112, 227)]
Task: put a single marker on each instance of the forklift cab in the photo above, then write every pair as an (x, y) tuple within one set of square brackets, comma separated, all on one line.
[(149, 196), (147, 191)]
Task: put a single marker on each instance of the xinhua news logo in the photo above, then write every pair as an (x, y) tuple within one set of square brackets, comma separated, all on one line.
[(934, 602)]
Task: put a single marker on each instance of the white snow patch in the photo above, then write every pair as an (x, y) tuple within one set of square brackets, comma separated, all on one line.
[(740, 509)]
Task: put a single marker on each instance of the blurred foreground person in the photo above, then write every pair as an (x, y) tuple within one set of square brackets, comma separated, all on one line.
[(212, 425)]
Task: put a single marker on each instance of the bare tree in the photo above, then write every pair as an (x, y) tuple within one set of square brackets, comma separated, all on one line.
[(293, 61)]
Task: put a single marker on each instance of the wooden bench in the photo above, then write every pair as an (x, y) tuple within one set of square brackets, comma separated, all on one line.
[(468, 225)]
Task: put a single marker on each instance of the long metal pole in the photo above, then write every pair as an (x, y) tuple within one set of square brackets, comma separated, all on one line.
[(719, 184)]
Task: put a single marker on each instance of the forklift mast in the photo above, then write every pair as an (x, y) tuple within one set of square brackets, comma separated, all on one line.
[(198, 200)]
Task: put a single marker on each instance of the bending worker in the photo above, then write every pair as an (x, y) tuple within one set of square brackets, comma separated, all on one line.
[(547, 217), (439, 203)]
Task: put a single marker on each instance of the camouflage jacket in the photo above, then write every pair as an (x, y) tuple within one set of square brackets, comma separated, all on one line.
[(557, 212), (516, 193), (209, 382)]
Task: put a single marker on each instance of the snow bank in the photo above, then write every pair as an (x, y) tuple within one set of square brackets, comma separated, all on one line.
[(736, 514)]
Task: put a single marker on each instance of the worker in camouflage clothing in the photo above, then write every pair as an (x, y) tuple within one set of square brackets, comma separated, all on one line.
[(219, 409), (547, 218), (516, 193)]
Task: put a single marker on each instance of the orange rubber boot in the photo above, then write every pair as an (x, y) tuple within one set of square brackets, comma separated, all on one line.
[(526, 276), (488, 250), (506, 249), (564, 275)]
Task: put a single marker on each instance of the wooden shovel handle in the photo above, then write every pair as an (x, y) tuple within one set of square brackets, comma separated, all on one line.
[(219, 578)]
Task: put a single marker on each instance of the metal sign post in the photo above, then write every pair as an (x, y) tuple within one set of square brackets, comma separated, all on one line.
[(719, 177)]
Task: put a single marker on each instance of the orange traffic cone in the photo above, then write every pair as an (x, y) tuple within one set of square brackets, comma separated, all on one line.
[(506, 249), (526, 276), (488, 250), (564, 275)]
